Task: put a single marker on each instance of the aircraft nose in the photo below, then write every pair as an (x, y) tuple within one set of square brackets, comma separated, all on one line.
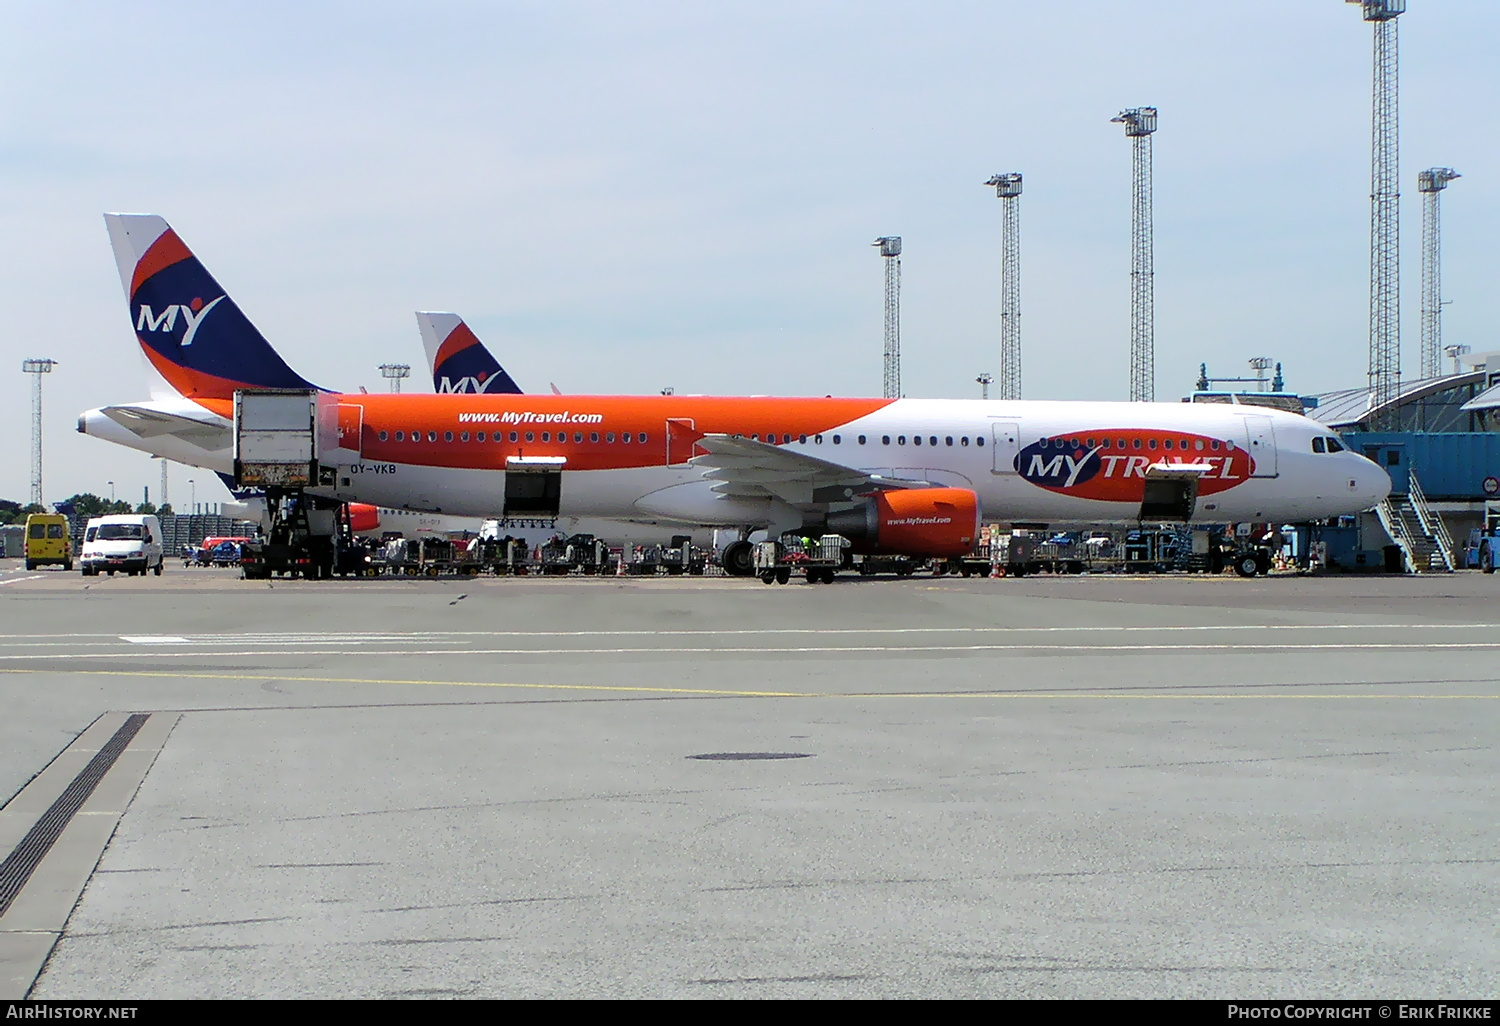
[(1371, 481)]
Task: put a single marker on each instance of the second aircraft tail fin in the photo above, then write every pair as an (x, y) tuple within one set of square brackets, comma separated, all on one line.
[(459, 361)]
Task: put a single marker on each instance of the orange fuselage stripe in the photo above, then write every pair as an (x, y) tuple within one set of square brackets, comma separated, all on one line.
[(570, 417)]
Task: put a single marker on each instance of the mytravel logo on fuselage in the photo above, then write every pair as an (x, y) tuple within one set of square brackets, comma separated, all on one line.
[(1111, 464), (527, 417)]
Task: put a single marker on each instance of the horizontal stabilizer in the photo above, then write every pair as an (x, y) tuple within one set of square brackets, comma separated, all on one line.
[(149, 423)]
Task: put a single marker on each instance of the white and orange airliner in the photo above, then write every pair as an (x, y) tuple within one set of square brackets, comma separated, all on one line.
[(909, 476)]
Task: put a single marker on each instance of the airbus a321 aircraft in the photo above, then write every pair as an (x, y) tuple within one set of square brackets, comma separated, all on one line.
[(908, 476)]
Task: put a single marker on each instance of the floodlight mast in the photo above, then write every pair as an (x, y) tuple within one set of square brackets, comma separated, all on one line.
[(1140, 124), (890, 249), (394, 372), (1385, 208), (1260, 364), (1430, 184), (36, 368), (1008, 189)]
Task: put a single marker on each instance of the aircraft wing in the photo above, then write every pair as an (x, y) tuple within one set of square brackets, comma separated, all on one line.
[(745, 468), (145, 422)]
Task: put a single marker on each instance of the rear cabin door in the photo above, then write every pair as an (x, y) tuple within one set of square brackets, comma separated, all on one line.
[(1006, 444), (351, 428), (1260, 438)]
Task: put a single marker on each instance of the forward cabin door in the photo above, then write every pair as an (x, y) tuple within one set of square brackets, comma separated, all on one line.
[(1006, 443), (1260, 437)]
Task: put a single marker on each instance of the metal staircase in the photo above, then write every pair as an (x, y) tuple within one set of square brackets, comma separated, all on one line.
[(1426, 546)]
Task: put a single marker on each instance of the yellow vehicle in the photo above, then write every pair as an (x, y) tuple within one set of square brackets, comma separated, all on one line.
[(48, 541)]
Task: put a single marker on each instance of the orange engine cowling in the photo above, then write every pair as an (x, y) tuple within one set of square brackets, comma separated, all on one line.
[(918, 522), (363, 517)]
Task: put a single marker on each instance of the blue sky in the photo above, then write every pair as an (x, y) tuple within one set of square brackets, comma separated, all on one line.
[(620, 197)]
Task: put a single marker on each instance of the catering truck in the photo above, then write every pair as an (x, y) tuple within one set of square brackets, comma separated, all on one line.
[(279, 436)]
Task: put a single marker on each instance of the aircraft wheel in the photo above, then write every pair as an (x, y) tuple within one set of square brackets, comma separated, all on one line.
[(739, 559), (1247, 565)]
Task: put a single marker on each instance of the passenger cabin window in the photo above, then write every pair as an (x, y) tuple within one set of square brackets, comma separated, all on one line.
[(885, 439), (861, 439), (964, 440)]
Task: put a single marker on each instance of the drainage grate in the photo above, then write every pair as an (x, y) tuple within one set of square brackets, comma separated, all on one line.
[(738, 756), (21, 863)]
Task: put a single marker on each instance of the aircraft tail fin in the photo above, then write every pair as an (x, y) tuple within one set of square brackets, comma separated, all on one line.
[(192, 333), (459, 361)]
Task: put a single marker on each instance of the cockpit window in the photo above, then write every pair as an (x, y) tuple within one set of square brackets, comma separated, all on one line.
[(1334, 446), (1318, 445)]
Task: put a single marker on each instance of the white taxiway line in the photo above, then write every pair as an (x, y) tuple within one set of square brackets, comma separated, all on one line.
[(1207, 649), (435, 637)]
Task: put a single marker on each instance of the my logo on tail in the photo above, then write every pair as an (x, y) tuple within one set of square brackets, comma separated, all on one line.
[(192, 316), (472, 383)]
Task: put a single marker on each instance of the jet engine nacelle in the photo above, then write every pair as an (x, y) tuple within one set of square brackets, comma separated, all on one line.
[(363, 517), (916, 522)]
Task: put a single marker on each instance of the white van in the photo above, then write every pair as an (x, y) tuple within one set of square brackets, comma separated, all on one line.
[(123, 541)]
